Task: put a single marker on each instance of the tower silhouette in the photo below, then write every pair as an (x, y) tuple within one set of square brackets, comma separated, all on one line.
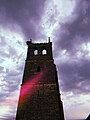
[(39, 96)]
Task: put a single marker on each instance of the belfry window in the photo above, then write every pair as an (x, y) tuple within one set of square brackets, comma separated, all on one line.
[(44, 52), (35, 52)]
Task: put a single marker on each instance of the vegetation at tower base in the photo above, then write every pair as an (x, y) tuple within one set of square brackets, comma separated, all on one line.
[(39, 96)]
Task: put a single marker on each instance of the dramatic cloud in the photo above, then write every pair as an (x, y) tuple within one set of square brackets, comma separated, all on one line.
[(75, 76), (25, 14), (68, 25), (75, 30), (73, 49)]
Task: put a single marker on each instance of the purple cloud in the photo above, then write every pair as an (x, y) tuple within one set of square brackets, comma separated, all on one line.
[(75, 76), (75, 31), (26, 14)]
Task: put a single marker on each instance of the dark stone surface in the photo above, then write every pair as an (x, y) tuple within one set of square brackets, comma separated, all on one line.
[(45, 102)]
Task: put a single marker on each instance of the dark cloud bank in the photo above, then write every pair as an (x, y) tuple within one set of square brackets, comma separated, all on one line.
[(75, 76), (26, 14)]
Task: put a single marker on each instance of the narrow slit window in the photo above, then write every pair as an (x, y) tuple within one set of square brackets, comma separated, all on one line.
[(38, 69)]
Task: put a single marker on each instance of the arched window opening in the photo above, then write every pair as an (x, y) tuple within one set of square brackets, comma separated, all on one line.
[(35, 52), (44, 52)]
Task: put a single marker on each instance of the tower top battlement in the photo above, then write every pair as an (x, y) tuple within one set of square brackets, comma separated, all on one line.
[(30, 42)]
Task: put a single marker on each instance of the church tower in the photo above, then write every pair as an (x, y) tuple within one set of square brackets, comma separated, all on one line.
[(39, 96)]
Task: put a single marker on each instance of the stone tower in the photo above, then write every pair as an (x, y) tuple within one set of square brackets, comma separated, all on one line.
[(39, 96)]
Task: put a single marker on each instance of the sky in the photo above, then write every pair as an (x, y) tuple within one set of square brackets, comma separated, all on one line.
[(67, 23)]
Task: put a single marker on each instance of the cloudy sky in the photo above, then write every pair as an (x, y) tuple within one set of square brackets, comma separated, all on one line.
[(67, 22)]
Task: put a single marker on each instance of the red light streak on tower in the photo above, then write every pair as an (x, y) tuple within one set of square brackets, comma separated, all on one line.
[(27, 89)]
